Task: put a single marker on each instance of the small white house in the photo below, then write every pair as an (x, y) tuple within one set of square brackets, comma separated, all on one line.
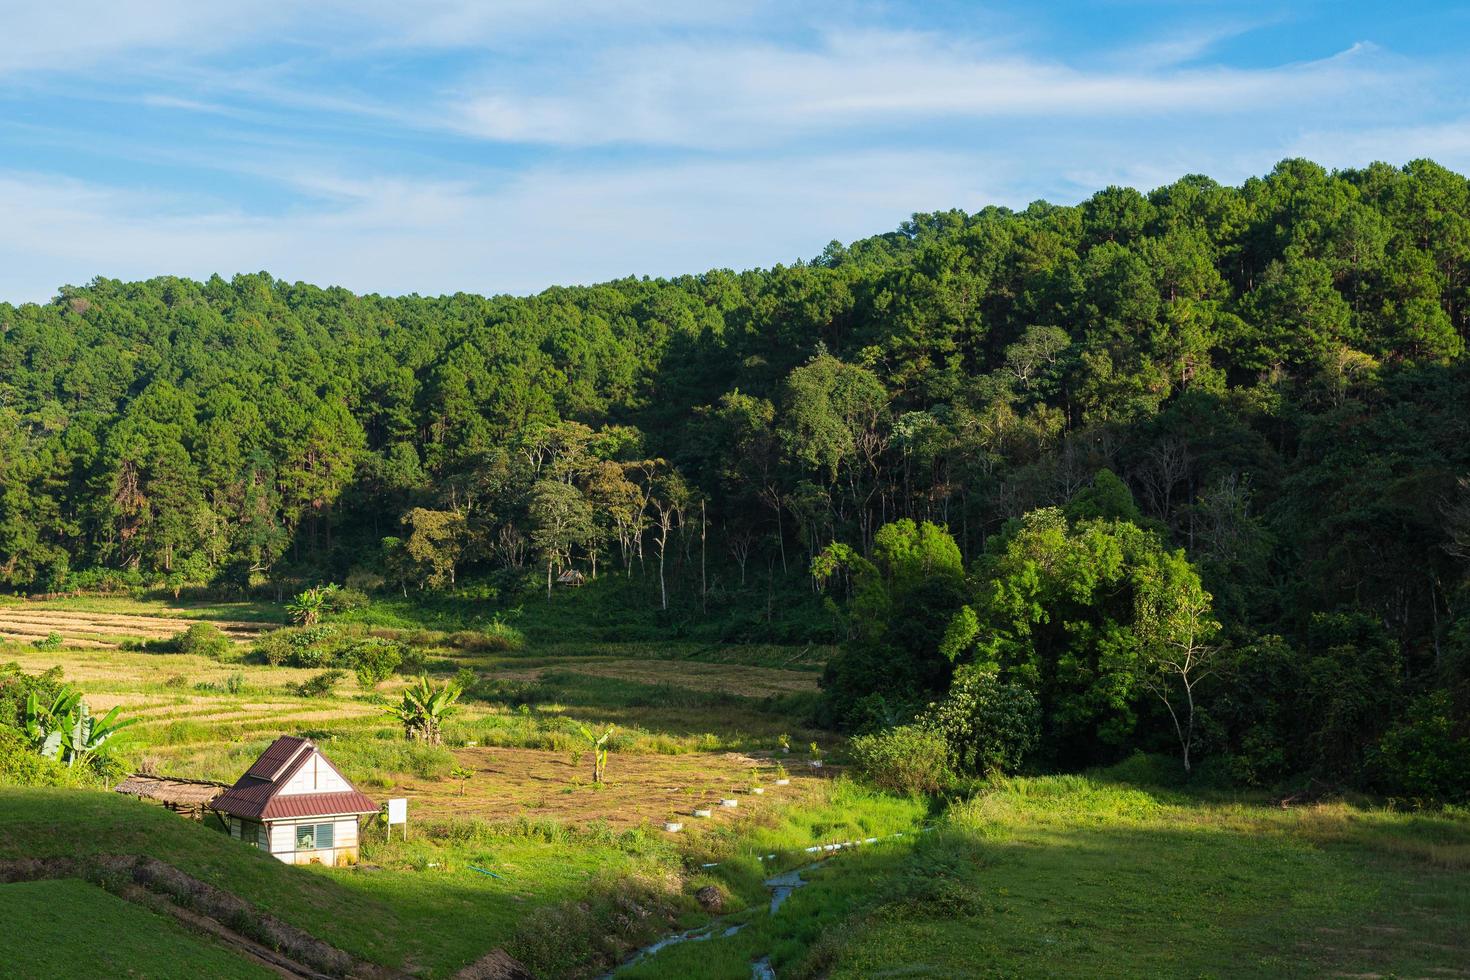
[(296, 805)]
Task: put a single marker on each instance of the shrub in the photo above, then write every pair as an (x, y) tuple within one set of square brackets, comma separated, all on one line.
[(1426, 756), (321, 685), (348, 599), (230, 685), (374, 659), (16, 686), (906, 759), (987, 725), (306, 646), (204, 639), (51, 641), (362, 581), (497, 636), (414, 661), (20, 765)]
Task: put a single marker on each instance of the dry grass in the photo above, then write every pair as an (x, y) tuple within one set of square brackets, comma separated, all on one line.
[(744, 681), (30, 621), (106, 670)]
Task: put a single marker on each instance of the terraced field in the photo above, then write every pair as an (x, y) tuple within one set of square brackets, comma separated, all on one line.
[(27, 621), (204, 718)]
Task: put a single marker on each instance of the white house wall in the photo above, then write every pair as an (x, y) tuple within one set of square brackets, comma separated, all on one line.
[(283, 840), (316, 775)]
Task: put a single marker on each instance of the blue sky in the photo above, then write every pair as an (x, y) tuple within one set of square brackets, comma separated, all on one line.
[(508, 145)]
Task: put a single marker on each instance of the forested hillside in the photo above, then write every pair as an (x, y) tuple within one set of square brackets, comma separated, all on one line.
[(1271, 378)]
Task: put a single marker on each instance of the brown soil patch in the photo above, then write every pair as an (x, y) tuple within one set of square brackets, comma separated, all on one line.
[(640, 789)]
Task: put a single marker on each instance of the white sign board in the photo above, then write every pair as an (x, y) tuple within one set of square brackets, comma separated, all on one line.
[(397, 811)]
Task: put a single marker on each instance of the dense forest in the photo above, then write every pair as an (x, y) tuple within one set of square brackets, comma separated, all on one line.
[(1053, 444)]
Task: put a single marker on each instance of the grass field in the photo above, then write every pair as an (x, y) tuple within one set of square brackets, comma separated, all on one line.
[(1090, 877), (72, 928), (1117, 873)]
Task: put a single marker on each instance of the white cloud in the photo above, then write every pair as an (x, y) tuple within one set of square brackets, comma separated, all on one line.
[(722, 96), (63, 36), (67, 36), (1447, 143), (539, 229)]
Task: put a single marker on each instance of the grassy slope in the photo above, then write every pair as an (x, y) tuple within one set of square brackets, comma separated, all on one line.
[(409, 914), (73, 928), (420, 904), (1084, 877)]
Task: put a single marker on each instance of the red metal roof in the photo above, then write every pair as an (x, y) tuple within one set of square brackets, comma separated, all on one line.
[(276, 757), (256, 796), (318, 805)]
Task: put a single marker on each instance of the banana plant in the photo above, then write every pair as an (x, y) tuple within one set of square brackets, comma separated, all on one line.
[(47, 721), (424, 708), (309, 606), (599, 750), (87, 734)]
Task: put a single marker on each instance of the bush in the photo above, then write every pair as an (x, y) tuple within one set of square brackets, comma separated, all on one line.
[(51, 641), (414, 661), (348, 599), (230, 685), (495, 637), (908, 759), (20, 765), (203, 639), (987, 725), (374, 660), (303, 646), (1426, 756), (321, 685), (16, 685)]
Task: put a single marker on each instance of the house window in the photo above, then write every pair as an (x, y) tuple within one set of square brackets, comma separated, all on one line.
[(313, 836)]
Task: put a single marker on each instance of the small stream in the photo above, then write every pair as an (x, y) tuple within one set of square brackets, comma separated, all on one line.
[(781, 886)]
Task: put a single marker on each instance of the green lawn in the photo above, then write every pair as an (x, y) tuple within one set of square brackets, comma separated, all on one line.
[(1084, 877), (69, 928)]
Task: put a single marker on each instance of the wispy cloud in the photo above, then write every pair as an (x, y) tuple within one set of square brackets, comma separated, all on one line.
[(1181, 47), (62, 36), (694, 95), (393, 235), (1447, 143)]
